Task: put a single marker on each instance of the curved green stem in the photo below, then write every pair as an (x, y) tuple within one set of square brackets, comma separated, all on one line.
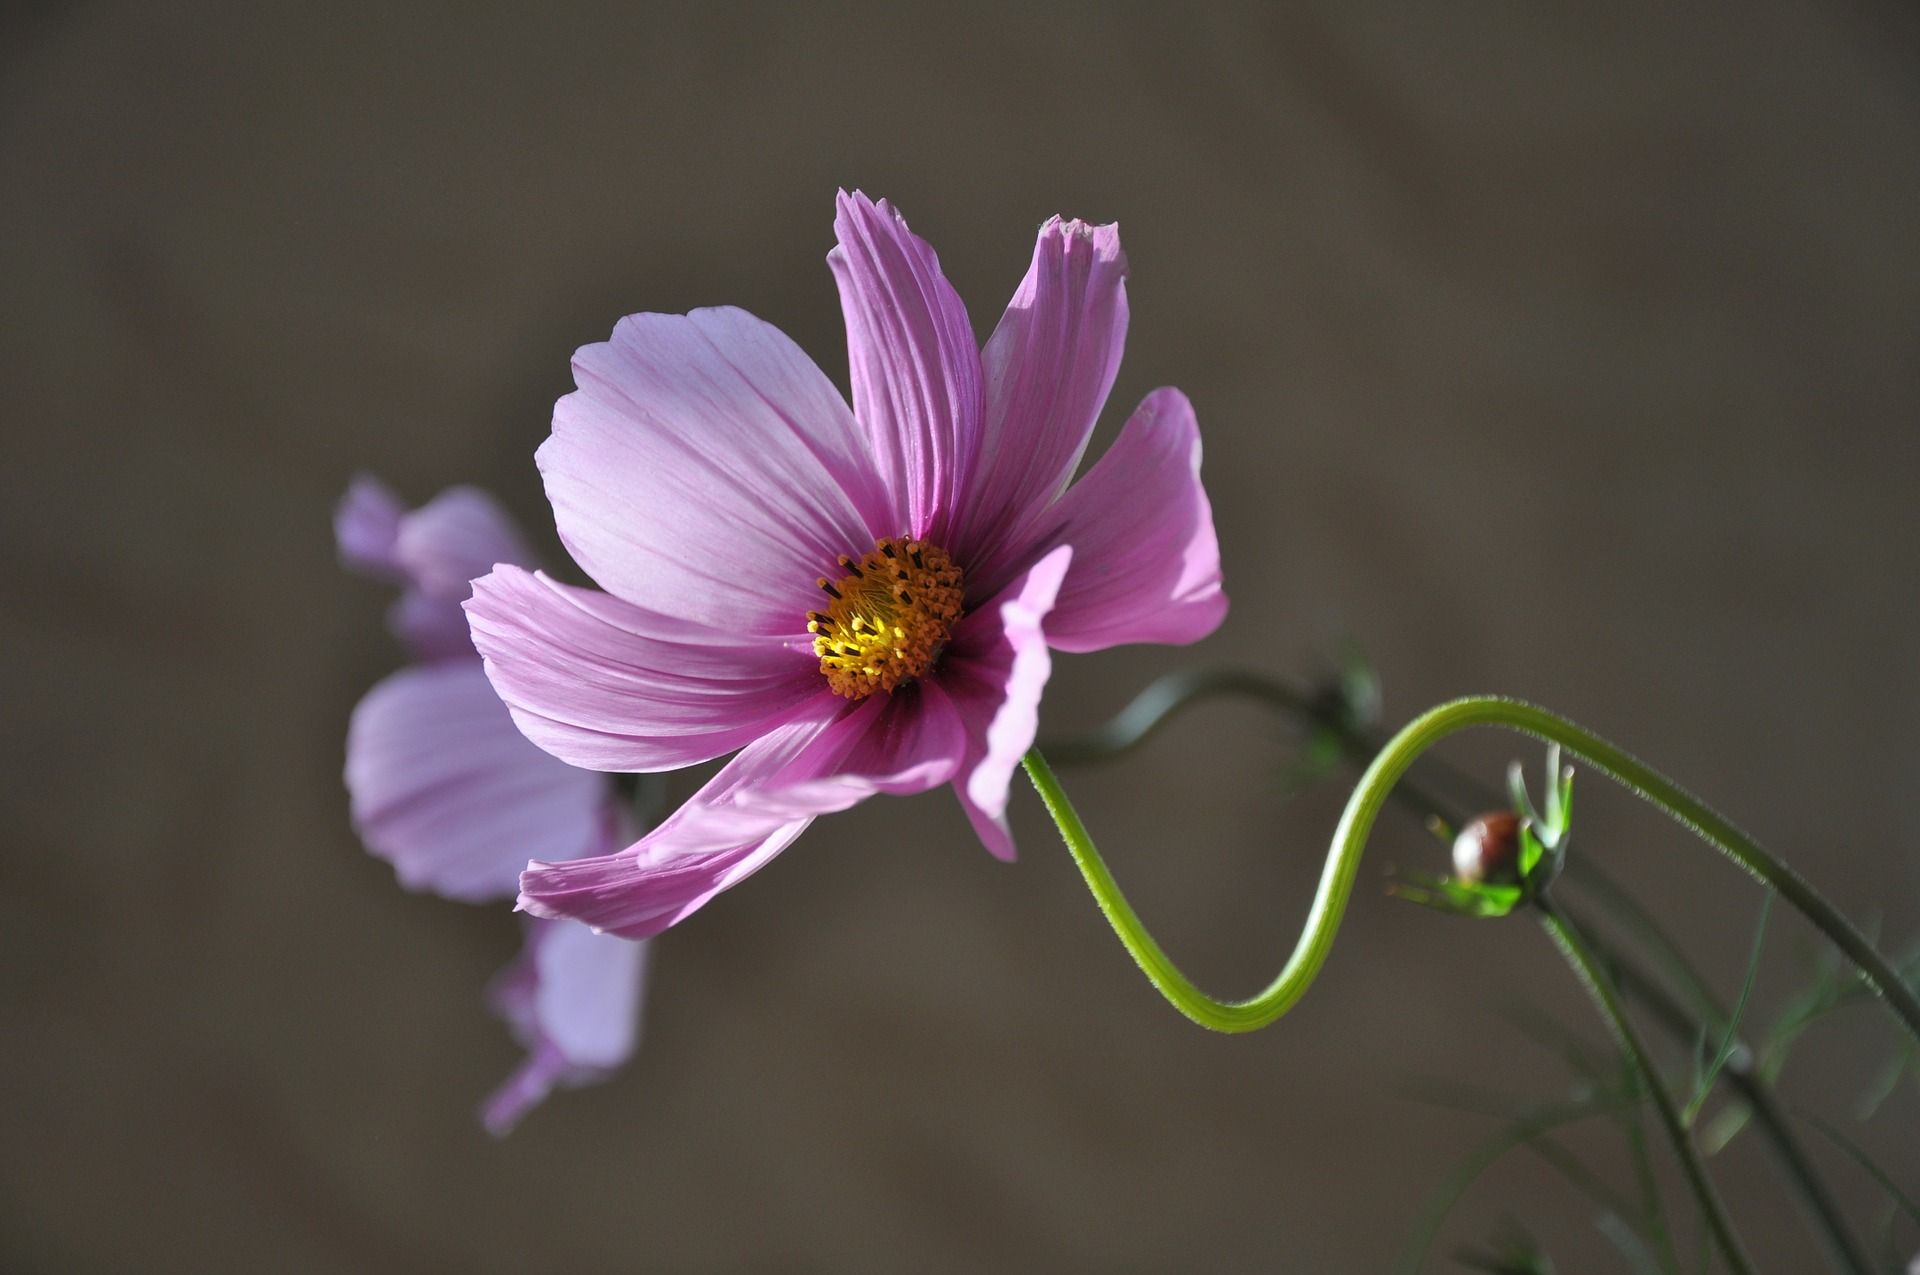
[(1356, 821), (1600, 988)]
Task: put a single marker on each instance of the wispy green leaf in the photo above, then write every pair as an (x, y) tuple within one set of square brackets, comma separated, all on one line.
[(1730, 1039)]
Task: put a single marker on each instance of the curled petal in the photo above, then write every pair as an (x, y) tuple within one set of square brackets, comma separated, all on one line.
[(707, 469), (606, 685), (1146, 564), (914, 367), (1048, 368), (831, 757), (995, 671), (573, 999), (447, 790)]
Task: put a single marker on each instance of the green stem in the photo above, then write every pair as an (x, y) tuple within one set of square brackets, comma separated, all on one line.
[(1741, 1075), (1356, 821), (1600, 988)]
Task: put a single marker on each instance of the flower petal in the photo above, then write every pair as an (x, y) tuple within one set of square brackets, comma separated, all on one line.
[(1048, 368), (913, 363), (573, 999), (995, 670), (432, 552), (831, 757), (707, 469), (1146, 563), (607, 685), (366, 527), (446, 789), (455, 538), (430, 628)]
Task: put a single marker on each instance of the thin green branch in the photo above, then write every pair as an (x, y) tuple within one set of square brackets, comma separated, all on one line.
[(1520, 1133), (1356, 821), (1600, 988), (1160, 701), (1866, 1162)]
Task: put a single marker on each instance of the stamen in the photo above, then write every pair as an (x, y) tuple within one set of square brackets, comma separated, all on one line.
[(890, 618)]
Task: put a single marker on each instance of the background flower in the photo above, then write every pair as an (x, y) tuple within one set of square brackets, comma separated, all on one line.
[(447, 790)]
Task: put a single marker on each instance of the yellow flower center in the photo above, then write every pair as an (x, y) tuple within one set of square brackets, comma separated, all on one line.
[(889, 616)]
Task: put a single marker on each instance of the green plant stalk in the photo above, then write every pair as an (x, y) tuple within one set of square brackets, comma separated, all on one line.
[(1356, 821), (1607, 1001), (1740, 1075), (1160, 701)]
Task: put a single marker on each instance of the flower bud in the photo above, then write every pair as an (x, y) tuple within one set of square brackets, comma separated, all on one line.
[(1487, 851)]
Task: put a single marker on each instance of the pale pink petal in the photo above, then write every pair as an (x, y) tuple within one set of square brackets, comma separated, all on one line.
[(446, 789), (454, 539), (430, 628), (1048, 368), (606, 685), (995, 670), (833, 757), (707, 469), (366, 526), (573, 999), (914, 366), (432, 552), (1146, 564)]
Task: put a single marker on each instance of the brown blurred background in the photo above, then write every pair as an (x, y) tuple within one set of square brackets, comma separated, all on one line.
[(1565, 355)]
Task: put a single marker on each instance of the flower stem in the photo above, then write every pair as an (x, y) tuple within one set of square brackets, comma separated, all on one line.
[(1149, 709), (1594, 978), (1741, 1075), (1356, 821)]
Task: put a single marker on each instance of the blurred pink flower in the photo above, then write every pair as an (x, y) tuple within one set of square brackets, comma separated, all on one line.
[(858, 601), (445, 788)]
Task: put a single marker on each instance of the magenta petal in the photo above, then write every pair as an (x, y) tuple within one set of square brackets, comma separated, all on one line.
[(831, 757), (606, 685), (446, 789), (573, 999), (914, 366), (995, 671), (1146, 564), (707, 469), (1048, 368)]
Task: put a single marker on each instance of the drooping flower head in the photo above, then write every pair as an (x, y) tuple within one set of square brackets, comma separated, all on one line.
[(447, 790), (858, 601)]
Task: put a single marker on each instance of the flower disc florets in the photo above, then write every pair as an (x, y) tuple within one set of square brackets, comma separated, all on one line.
[(889, 616)]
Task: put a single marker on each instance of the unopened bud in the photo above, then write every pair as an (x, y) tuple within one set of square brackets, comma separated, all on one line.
[(1487, 851)]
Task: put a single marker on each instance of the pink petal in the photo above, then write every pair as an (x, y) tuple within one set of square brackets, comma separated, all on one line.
[(366, 526), (456, 538), (832, 757), (446, 789), (914, 366), (606, 685), (432, 552), (995, 670), (1048, 367), (430, 628), (573, 999), (1146, 564), (707, 469)]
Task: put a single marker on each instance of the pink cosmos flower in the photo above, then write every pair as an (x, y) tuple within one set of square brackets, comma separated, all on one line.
[(446, 789), (858, 601)]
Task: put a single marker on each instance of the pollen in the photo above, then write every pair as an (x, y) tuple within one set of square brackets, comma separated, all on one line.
[(887, 619)]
